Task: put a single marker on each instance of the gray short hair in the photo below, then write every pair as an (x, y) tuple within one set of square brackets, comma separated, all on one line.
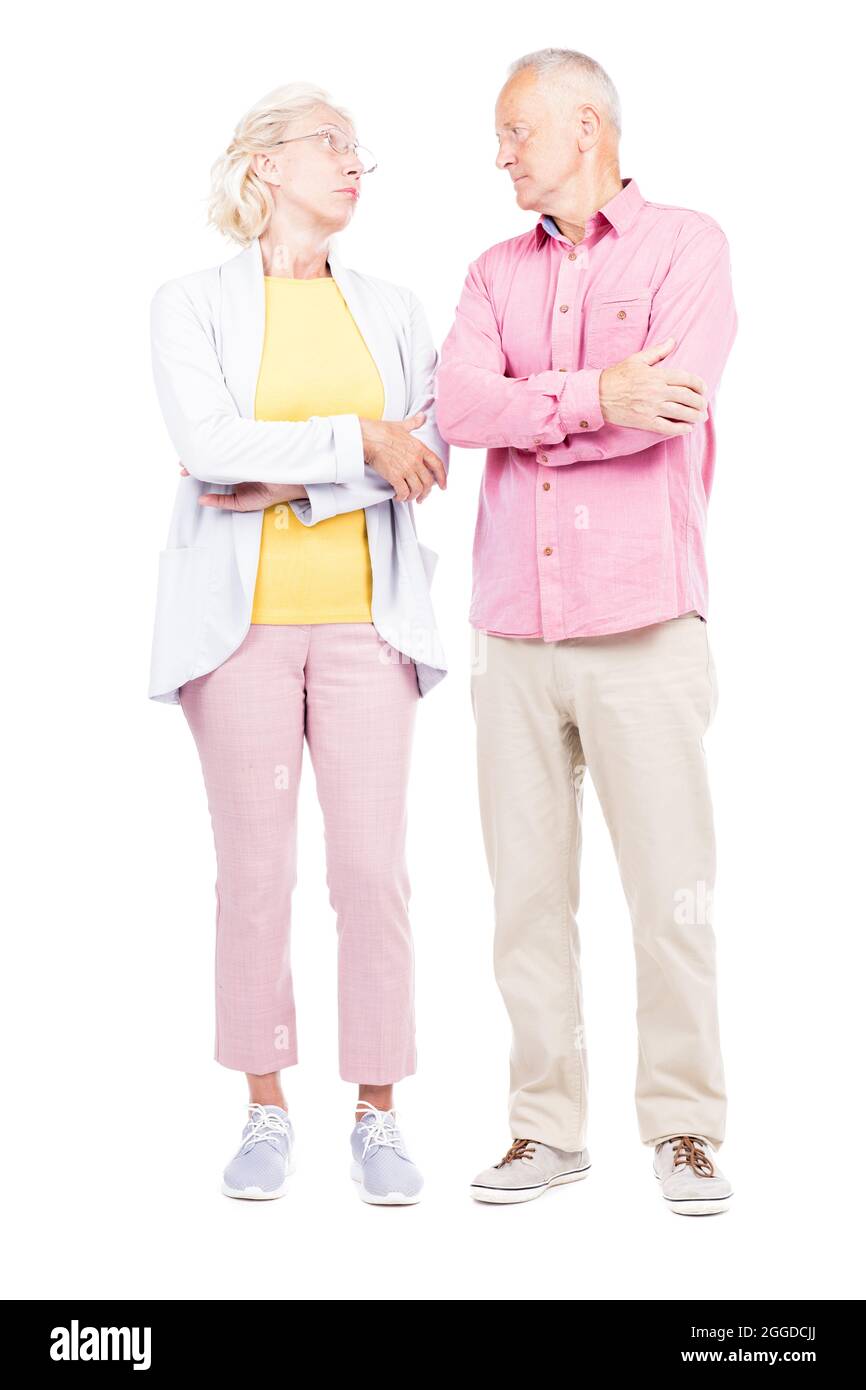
[(585, 72)]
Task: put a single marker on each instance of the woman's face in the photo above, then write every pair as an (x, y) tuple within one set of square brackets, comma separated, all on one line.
[(310, 177)]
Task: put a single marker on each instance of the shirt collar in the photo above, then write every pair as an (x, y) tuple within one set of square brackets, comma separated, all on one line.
[(620, 211)]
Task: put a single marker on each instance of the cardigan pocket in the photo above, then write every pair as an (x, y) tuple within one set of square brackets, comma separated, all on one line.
[(181, 600), (429, 559)]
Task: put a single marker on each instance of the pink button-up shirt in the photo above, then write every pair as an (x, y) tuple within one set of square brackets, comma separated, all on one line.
[(585, 527)]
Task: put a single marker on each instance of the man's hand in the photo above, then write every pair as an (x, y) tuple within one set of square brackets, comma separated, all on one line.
[(403, 461), (253, 497), (642, 396)]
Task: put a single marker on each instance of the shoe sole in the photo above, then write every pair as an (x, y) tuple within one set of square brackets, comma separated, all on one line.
[(700, 1206), (255, 1194), (376, 1199), (525, 1194), (696, 1206)]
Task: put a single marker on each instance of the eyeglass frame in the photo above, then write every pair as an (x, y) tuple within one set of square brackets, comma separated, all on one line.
[(327, 131)]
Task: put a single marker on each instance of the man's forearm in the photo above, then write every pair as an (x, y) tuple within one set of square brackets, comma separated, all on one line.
[(479, 409)]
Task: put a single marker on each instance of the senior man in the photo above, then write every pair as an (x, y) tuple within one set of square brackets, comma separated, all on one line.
[(586, 355)]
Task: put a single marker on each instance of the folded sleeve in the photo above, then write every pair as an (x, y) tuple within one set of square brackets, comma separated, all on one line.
[(482, 408), (329, 499), (324, 500), (213, 441)]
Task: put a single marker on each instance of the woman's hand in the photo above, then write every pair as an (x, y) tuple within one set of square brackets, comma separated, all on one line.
[(253, 497), (250, 497), (403, 461)]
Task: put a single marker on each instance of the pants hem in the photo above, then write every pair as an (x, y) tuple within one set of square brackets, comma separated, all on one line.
[(254, 1066), (387, 1076), (675, 1134)]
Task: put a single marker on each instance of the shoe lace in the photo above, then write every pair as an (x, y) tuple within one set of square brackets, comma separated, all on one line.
[(519, 1149), (689, 1150), (264, 1127), (379, 1127)]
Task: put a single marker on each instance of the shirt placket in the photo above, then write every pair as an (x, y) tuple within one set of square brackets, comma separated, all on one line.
[(563, 356)]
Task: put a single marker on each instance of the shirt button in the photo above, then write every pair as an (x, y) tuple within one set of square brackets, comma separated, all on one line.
[(563, 309), (622, 314), (542, 458), (584, 424), (547, 550), (546, 487), (572, 255), (536, 441)]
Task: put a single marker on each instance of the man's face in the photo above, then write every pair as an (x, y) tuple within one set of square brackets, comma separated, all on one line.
[(537, 126)]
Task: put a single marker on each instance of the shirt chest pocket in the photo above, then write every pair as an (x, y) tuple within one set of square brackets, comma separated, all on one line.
[(616, 327)]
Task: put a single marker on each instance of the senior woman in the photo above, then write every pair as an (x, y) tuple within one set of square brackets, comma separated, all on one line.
[(293, 602)]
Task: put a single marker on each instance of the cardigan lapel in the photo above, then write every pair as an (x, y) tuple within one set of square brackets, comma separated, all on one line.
[(240, 333), (242, 328)]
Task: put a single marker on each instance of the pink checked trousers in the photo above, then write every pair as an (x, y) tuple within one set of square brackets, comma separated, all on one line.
[(355, 699)]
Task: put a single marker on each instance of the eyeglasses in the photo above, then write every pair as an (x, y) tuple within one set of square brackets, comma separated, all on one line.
[(339, 143)]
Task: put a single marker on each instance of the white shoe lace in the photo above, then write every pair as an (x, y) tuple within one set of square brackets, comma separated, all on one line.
[(379, 1127), (266, 1126)]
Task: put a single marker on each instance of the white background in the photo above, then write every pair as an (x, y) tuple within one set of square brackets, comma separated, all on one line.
[(117, 1120)]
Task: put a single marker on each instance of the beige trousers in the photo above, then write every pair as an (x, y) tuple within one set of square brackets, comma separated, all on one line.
[(632, 708)]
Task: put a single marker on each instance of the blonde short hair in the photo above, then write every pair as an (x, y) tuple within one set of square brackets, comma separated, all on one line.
[(240, 203)]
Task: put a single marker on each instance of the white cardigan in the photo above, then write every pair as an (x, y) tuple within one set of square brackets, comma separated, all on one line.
[(207, 330)]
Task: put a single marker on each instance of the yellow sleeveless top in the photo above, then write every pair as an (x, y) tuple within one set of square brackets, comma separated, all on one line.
[(314, 362)]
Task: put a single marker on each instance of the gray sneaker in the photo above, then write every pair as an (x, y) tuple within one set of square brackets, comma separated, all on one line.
[(692, 1182), (380, 1163), (263, 1164), (527, 1170)]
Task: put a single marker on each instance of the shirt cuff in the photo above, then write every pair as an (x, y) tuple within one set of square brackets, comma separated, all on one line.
[(579, 404), (349, 446)]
